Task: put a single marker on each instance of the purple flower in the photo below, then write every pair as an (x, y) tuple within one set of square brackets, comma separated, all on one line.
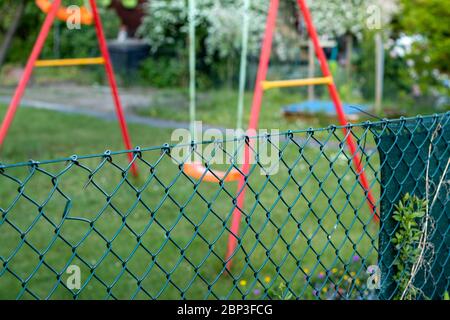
[(321, 275), (355, 258), (257, 292)]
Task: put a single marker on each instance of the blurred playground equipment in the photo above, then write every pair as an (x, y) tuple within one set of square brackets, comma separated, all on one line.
[(55, 10), (311, 108), (64, 13), (198, 171), (164, 235)]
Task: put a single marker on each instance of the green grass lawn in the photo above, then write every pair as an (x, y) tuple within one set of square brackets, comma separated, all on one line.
[(162, 235), (219, 108)]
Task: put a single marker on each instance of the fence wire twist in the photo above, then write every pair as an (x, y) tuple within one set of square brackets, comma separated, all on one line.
[(306, 230)]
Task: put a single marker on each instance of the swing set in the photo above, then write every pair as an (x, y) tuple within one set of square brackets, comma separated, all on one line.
[(200, 172), (64, 13), (197, 170), (55, 10)]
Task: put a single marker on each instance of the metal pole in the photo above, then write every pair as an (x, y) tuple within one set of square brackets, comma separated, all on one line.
[(37, 48), (253, 125), (379, 71), (243, 64), (113, 84), (192, 85), (338, 105), (310, 69)]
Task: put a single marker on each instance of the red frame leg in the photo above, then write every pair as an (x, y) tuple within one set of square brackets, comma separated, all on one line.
[(253, 125), (256, 108), (338, 105), (37, 48), (113, 84)]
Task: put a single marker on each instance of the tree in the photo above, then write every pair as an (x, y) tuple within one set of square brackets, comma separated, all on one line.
[(428, 21), (219, 31), (10, 25), (341, 18), (16, 45), (338, 18), (219, 27), (218, 22)]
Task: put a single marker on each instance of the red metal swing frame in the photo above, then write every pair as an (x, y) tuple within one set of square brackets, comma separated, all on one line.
[(33, 62), (260, 85)]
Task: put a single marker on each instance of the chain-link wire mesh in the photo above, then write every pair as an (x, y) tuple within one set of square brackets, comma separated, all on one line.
[(306, 230)]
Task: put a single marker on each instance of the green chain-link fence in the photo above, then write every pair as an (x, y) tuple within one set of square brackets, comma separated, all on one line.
[(306, 229)]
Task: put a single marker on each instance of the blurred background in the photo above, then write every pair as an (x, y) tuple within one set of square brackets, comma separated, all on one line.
[(389, 57)]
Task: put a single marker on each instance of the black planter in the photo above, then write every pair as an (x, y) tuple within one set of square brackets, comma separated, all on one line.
[(127, 55)]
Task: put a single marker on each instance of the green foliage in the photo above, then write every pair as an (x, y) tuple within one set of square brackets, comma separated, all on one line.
[(61, 42), (429, 19), (7, 9), (280, 293), (218, 34), (218, 25), (129, 4), (446, 296), (407, 213), (425, 22), (65, 43), (164, 72), (348, 16), (26, 33), (397, 79)]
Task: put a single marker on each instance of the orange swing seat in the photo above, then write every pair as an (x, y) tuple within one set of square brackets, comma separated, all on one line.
[(197, 171), (63, 14)]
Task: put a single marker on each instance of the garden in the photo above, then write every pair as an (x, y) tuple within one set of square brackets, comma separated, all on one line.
[(338, 190)]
